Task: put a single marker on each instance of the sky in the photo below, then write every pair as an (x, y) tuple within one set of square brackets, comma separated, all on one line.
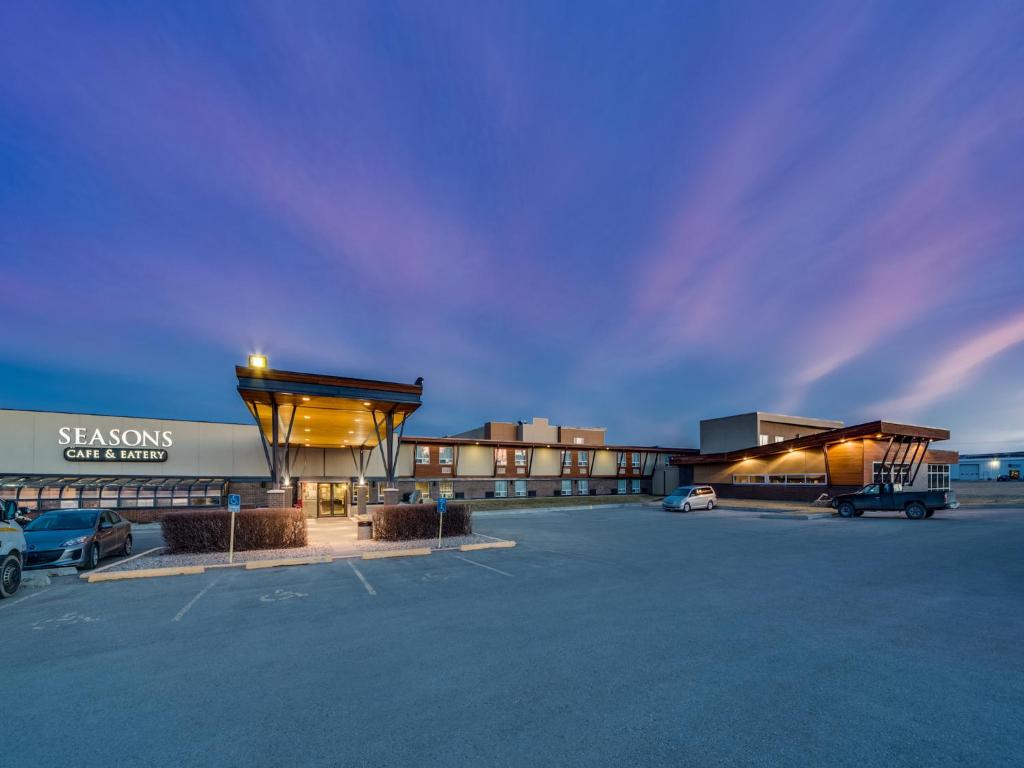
[(631, 215)]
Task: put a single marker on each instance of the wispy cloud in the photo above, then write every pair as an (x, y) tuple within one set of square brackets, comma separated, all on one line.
[(955, 370)]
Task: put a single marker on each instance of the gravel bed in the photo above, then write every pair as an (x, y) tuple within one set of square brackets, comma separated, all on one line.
[(164, 560)]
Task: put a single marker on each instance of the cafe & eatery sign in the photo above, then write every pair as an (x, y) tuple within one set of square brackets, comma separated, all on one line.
[(91, 444)]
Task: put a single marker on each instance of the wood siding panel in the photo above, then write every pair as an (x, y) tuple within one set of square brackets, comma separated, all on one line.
[(846, 463)]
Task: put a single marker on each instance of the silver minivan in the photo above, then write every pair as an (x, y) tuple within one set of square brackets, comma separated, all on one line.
[(687, 497)]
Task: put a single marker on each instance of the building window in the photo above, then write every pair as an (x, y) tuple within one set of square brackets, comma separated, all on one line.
[(762, 439), (938, 477), (566, 458), (578, 441), (893, 474), (520, 487), (446, 489), (636, 461), (634, 486), (779, 438), (666, 459), (422, 454), (567, 487), (445, 454), (583, 487), (622, 461), (520, 457), (789, 479), (582, 458), (500, 457), (500, 489), (620, 489)]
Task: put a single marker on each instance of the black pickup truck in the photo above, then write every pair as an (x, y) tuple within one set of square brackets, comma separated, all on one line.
[(916, 505)]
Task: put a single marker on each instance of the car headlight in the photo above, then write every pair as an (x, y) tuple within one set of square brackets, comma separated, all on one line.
[(76, 541)]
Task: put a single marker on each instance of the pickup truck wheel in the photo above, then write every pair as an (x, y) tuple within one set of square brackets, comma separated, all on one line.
[(916, 511), (846, 509), (10, 575)]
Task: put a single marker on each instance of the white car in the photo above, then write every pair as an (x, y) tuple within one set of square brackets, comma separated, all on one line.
[(12, 548), (687, 497)]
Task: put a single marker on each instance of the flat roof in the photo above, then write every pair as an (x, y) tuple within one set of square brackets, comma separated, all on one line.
[(870, 429), (528, 444)]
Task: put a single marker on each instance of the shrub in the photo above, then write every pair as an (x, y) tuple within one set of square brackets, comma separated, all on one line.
[(210, 530), (401, 522)]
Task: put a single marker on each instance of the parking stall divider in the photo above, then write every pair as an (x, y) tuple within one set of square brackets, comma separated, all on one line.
[(146, 573)]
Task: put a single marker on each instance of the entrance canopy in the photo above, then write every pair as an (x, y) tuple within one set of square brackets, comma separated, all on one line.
[(295, 410)]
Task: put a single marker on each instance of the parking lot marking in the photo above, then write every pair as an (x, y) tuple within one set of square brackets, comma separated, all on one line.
[(195, 599), (67, 620), (21, 599), (362, 578), (489, 568), (281, 594), (122, 561)]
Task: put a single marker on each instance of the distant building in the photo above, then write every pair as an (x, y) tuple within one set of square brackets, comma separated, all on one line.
[(989, 466), (770, 456)]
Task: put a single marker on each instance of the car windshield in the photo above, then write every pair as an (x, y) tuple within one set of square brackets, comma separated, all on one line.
[(682, 490), (63, 521)]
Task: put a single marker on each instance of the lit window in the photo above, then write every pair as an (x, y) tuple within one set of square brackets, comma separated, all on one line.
[(520, 487), (583, 487), (446, 489), (762, 439), (567, 487), (445, 454), (582, 458), (938, 477), (500, 457), (500, 489), (892, 474), (634, 486), (779, 438), (578, 440), (520, 457), (422, 454)]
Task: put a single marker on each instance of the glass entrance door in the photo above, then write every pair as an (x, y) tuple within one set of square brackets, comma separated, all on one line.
[(332, 499)]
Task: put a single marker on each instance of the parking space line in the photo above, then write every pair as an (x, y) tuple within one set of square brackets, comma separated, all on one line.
[(195, 600), (362, 578), (22, 599), (489, 568)]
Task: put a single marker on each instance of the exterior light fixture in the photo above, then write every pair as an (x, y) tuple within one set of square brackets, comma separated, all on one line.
[(305, 399), (366, 403), (306, 417), (351, 432), (257, 361), (307, 429)]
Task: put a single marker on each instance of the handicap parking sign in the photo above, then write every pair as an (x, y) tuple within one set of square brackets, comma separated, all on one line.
[(234, 502), (442, 505)]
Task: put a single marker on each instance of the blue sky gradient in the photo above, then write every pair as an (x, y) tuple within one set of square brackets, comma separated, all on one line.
[(629, 215)]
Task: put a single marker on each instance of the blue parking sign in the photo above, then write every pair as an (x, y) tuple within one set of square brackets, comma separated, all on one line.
[(442, 505), (234, 502)]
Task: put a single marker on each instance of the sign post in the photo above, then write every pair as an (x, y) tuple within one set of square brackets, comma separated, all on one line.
[(234, 506), (442, 507)]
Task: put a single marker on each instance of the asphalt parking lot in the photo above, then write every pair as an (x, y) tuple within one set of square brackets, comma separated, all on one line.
[(611, 637)]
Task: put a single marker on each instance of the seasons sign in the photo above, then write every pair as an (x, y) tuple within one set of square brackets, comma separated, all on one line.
[(85, 444)]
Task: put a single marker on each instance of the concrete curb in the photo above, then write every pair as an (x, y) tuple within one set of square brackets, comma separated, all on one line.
[(146, 573), (119, 562), (254, 565), (418, 552), (560, 508), (487, 545), (795, 516)]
